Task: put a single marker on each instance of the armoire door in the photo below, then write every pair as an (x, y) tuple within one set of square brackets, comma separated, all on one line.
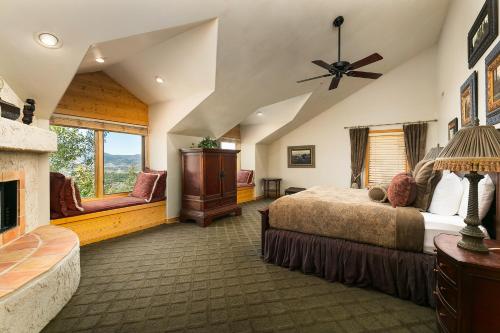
[(212, 176), (228, 166)]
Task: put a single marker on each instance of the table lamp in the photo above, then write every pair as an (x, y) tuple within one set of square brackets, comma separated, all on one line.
[(473, 149), (433, 153)]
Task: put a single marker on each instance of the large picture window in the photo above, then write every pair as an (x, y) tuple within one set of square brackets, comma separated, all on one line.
[(101, 162), (75, 157), (123, 159)]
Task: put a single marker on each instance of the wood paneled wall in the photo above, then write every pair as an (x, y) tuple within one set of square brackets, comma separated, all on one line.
[(233, 133), (98, 96)]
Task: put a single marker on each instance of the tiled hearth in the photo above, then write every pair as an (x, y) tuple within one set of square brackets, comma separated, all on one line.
[(17, 231)]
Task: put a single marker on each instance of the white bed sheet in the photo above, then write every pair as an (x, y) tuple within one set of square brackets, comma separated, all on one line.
[(438, 224)]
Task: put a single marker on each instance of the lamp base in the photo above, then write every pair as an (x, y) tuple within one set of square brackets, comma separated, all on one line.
[(472, 243)]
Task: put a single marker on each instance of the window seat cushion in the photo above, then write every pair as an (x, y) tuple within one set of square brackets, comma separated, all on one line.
[(104, 204), (244, 185)]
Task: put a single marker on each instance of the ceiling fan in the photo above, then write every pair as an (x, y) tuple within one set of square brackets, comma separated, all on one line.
[(340, 68)]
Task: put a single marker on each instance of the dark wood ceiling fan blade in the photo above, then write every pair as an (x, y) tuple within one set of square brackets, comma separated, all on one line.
[(364, 75), (366, 61), (314, 78), (321, 63), (335, 83)]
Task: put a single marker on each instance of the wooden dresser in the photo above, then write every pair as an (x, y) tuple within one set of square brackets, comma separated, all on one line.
[(208, 184), (468, 287)]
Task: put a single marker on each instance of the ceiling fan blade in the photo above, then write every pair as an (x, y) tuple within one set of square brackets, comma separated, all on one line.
[(321, 63), (366, 61), (314, 78), (364, 75), (335, 83)]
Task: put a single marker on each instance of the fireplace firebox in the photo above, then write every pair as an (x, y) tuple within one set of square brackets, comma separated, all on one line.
[(8, 205)]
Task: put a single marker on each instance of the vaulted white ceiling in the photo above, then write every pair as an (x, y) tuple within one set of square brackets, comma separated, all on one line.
[(263, 47)]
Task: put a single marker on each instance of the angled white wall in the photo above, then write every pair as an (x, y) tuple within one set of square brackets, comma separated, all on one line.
[(407, 93), (453, 67)]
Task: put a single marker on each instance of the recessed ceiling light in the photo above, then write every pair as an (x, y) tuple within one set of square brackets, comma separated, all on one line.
[(260, 113), (159, 80), (99, 60), (48, 40)]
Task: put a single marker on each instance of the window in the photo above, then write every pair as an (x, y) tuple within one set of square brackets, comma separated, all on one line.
[(75, 157), (123, 159), (228, 145), (386, 156), (101, 162)]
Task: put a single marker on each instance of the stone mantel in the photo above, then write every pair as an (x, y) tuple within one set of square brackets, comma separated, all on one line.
[(16, 136)]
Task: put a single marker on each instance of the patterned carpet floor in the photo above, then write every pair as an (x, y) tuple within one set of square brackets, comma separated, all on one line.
[(183, 278)]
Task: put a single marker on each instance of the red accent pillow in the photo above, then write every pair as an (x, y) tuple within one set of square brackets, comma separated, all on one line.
[(145, 186), (244, 176), (71, 197), (161, 186), (57, 181), (402, 190)]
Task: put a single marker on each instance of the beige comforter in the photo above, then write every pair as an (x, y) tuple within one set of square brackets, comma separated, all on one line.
[(349, 214)]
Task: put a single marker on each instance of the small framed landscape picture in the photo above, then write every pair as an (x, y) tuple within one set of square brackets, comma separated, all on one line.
[(301, 156), (452, 128), (483, 32), (468, 101), (493, 86)]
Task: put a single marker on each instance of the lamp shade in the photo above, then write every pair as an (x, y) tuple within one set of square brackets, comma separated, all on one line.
[(433, 153), (475, 148)]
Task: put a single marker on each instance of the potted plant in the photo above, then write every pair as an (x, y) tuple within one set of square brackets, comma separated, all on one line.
[(208, 142)]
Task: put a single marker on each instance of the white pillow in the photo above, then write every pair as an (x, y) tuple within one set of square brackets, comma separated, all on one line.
[(485, 194), (447, 195)]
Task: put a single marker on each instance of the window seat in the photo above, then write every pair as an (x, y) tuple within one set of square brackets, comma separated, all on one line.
[(245, 186), (109, 218), (39, 272)]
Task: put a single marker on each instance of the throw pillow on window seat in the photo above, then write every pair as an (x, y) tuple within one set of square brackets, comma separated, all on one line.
[(402, 190), (145, 186), (161, 186), (57, 181), (72, 197)]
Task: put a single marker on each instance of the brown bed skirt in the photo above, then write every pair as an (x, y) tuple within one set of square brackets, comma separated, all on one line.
[(407, 275)]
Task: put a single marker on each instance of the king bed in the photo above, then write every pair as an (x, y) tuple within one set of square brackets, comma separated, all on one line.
[(342, 236)]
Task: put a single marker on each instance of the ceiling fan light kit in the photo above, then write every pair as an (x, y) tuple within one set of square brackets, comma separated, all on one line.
[(340, 68)]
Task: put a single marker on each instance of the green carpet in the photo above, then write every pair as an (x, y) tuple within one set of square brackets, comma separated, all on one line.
[(183, 278)]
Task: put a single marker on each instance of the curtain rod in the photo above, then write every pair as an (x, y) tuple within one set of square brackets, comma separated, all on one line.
[(406, 123)]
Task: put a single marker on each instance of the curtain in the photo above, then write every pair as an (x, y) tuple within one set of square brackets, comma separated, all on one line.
[(359, 141), (415, 139)]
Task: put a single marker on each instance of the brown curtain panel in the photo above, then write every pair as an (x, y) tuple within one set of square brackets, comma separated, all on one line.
[(359, 141), (415, 139)]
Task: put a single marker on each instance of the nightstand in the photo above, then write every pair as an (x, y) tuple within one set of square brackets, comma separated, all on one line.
[(467, 287)]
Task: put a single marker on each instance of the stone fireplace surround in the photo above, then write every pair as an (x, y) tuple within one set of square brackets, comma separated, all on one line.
[(39, 263)]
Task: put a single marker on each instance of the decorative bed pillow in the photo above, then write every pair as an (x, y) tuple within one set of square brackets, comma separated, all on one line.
[(402, 190), (378, 193), (145, 186), (72, 198), (57, 181), (447, 195), (161, 186), (486, 193), (426, 179)]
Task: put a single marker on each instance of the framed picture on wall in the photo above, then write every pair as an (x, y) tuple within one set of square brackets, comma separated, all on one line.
[(483, 32), (492, 86), (301, 156), (468, 101), (452, 128)]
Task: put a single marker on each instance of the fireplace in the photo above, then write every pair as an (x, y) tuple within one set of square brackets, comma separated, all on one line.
[(8, 205)]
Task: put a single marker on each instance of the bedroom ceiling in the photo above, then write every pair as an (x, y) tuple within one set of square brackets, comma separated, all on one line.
[(263, 47)]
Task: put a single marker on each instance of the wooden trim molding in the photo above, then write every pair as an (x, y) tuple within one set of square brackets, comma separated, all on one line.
[(97, 125)]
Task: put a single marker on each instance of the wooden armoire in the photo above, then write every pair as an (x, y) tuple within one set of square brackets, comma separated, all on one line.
[(208, 184)]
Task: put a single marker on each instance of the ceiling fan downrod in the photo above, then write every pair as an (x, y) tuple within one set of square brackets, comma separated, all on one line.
[(337, 23)]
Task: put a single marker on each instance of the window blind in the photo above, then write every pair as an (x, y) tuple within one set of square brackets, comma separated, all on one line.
[(386, 157)]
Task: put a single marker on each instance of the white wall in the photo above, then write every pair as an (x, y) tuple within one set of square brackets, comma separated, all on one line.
[(174, 180), (407, 93), (453, 66)]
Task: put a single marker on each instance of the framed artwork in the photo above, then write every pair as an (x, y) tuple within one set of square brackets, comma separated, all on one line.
[(468, 101), (492, 85), (301, 156), (452, 128), (483, 32)]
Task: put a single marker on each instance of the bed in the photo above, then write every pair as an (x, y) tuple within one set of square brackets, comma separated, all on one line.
[(399, 265)]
